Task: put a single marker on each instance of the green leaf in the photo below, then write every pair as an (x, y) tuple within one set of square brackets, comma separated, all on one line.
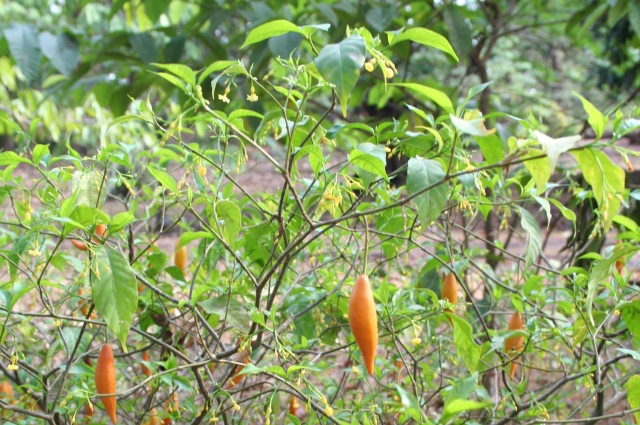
[(62, 50), (467, 349), (438, 97), (427, 38), (238, 316), (631, 314), (316, 160), (123, 118), (182, 71), (366, 157), (601, 270), (12, 158), (539, 169), (114, 291), (530, 225), (164, 179), (421, 174), (229, 220), (605, 179), (628, 223), (145, 46), (39, 151), (597, 121), (90, 189), (555, 147), (409, 402), (340, 64), (491, 148), (633, 392), (173, 80), (473, 127), (120, 221), (457, 406), (270, 29), (25, 48), (188, 237), (215, 67), (459, 30), (566, 212), (241, 113), (634, 20)]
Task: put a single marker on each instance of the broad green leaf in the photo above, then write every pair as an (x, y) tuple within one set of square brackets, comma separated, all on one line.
[(39, 151), (25, 48), (114, 291), (462, 388), (182, 71), (491, 148), (634, 20), (438, 97), (409, 402), (336, 128), (241, 113), (467, 349), (566, 212), (236, 315), (597, 121), (554, 147), (230, 220), (316, 160), (123, 118), (474, 127), (633, 394), (530, 225), (601, 270), (120, 221), (12, 158), (628, 223), (215, 67), (427, 38), (423, 173), (164, 179), (457, 406), (631, 315), (340, 64), (188, 237), (606, 180), (458, 28), (90, 189), (62, 50), (173, 80), (539, 169), (270, 29), (581, 328), (366, 157), (145, 46), (86, 215)]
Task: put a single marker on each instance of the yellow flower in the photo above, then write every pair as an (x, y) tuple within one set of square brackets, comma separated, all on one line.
[(202, 171), (12, 366), (253, 96), (328, 411), (388, 72), (416, 341), (34, 252), (368, 66), (223, 97)]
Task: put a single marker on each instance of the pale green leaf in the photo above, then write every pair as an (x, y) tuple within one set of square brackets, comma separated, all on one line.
[(270, 29)]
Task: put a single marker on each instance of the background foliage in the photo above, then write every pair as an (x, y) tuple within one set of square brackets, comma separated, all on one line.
[(292, 147)]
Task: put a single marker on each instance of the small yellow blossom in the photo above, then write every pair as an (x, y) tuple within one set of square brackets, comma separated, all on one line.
[(388, 72), (202, 171), (328, 411), (416, 341), (223, 97), (12, 366), (253, 96), (368, 66), (27, 216)]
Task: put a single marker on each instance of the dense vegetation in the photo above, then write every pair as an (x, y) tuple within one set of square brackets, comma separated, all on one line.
[(351, 212)]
